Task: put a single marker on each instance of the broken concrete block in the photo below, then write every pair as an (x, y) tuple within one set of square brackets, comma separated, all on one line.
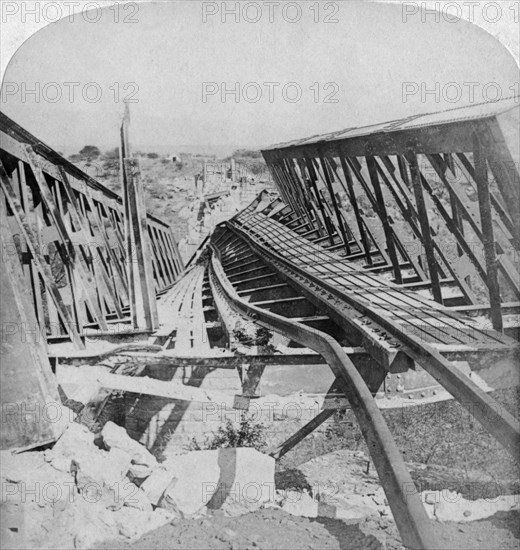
[(79, 524), (300, 504), (75, 438), (246, 482), (115, 436), (133, 523), (452, 506), (142, 465), (101, 476), (98, 473), (170, 501), (86, 538), (155, 485), (138, 472), (353, 512), (26, 470), (136, 498), (236, 481)]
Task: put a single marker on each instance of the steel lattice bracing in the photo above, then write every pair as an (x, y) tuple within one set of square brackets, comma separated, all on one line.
[(267, 265), (396, 326), (373, 229), (67, 230), (434, 198)]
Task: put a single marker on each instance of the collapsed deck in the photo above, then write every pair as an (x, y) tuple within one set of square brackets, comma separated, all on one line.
[(373, 260)]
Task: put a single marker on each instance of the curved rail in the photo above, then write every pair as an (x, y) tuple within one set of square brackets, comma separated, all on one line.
[(412, 521), (495, 418)]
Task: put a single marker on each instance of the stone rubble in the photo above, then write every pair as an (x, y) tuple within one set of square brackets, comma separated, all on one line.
[(452, 506), (142, 461), (236, 481), (89, 488), (341, 488)]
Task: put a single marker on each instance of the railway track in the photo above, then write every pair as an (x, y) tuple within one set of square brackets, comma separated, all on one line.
[(338, 282), (281, 280)]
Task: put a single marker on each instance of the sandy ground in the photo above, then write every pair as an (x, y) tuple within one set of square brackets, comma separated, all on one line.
[(273, 529)]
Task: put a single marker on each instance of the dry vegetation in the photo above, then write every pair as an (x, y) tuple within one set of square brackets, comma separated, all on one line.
[(169, 182), (441, 435)]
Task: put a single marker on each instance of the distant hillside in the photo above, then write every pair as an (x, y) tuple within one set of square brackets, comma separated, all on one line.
[(252, 162), (168, 178), (167, 182)]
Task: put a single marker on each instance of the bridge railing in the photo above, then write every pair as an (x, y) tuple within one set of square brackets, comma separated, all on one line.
[(67, 231), (434, 198)]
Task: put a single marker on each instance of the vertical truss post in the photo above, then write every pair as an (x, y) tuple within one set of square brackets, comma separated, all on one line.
[(33, 279), (143, 305), (457, 219), (405, 207), (312, 179), (339, 219), (355, 167), (290, 194), (333, 166), (35, 248), (425, 226), (307, 185), (505, 172), (486, 222), (128, 250), (503, 221), (380, 204), (299, 185), (204, 175), (472, 216), (357, 213)]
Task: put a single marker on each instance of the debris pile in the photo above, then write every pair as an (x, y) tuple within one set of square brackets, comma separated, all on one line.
[(93, 487), (452, 506), (344, 485)]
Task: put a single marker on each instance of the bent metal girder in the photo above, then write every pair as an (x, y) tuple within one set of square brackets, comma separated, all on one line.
[(408, 510), (254, 253), (68, 233), (434, 198), (382, 317)]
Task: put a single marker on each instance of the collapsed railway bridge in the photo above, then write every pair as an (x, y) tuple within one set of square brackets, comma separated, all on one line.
[(388, 253)]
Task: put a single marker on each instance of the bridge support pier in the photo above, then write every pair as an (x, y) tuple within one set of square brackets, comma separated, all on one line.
[(28, 389)]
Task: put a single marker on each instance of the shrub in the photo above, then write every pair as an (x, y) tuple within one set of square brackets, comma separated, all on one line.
[(90, 152), (112, 154), (247, 434), (75, 158)]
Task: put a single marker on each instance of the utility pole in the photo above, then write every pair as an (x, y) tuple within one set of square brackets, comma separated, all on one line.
[(143, 305)]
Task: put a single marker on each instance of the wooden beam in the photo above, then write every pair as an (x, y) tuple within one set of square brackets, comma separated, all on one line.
[(471, 214), (143, 385), (27, 385), (339, 219), (139, 268), (381, 210), (373, 376), (38, 258), (486, 223), (425, 227)]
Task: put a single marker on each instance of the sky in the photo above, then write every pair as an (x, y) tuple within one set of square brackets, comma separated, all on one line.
[(369, 63)]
